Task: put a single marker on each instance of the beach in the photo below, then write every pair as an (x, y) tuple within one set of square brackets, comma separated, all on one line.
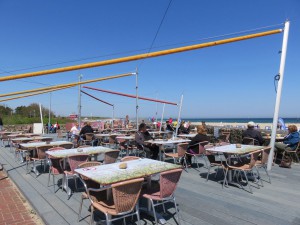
[(239, 125)]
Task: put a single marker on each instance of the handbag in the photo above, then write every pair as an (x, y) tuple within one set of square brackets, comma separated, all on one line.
[(286, 163)]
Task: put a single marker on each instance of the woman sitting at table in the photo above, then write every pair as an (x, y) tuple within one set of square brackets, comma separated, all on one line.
[(290, 141), (193, 145), (143, 135)]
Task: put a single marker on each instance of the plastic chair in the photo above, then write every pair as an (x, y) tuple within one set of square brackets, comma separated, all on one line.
[(295, 152), (55, 166), (180, 155), (89, 137), (41, 157), (165, 192), (66, 146), (201, 152), (124, 203), (87, 183), (74, 162), (129, 158), (111, 156), (247, 167), (264, 161), (213, 163)]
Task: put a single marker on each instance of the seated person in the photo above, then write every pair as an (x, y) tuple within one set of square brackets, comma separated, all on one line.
[(86, 129), (253, 133), (290, 141), (169, 126), (193, 145), (182, 129), (75, 131), (143, 135)]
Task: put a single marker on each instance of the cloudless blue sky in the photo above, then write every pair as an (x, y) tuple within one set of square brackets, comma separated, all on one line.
[(232, 80)]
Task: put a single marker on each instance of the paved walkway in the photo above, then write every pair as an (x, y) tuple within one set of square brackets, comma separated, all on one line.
[(14, 208)]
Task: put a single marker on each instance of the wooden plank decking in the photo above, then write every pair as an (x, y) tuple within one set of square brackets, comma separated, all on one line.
[(200, 202)]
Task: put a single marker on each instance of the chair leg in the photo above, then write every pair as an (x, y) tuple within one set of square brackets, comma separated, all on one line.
[(225, 178), (177, 211), (53, 178), (138, 214), (49, 177), (248, 182), (80, 208), (208, 172), (154, 213), (92, 215)]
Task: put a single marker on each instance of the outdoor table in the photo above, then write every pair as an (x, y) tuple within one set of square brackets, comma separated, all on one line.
[(162, 142), (127, 139), (233, 150), (153, 133), (111, 173), (277, 138), (34, 145), (64, 153), (186, 135)]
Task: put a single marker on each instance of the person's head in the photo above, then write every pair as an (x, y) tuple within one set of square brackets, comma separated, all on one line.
[(292, 128), (84, 123), (88, 123), (76, 124), (167, 122), (251, 125), (142, 127), (201, 129)]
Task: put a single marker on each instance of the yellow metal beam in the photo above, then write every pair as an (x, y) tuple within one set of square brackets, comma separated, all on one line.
[(32, 94), (140, 56), (67, 85)]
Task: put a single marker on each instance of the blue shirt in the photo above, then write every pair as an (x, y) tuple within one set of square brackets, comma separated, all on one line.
[(292, 139)]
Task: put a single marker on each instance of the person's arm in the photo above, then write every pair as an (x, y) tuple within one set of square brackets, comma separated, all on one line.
[(139, 138)]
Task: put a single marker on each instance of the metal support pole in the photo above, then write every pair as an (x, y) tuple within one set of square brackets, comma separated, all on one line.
[(113, 116), (179, 114), (137, 100), (41, 114), (162, 117), (278, 96), (49, 114), (79, 101)]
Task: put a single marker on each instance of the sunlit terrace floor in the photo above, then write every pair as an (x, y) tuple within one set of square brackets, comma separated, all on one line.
[(200, 202)]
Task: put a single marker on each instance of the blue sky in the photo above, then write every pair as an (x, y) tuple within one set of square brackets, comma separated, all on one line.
[(232, 80)]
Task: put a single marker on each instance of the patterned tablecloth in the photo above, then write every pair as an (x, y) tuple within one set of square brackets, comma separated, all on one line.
[(74, 151), (34, 145), (111, 173), (30, 138), (167, 142), (232, 149)]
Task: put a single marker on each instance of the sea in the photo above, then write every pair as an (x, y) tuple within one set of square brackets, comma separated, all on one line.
[(240, 120)]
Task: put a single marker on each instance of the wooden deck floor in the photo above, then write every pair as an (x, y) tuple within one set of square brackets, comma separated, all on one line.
[(200, 202)]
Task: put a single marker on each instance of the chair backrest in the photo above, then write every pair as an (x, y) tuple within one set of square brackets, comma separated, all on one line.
[(89, 136), (265, 155), (168, 182), (181, 149), (126, 194), (76, 160), (66, 146), (84, 146), (254, 156), (47, 139), (248, 141), (41, 151), (129, 158), (112, 140), (201, 146), (111, 156)]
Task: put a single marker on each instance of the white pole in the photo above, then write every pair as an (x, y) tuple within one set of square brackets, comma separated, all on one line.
[(179, 114), (162, 117), (137, 100), (41, 114), (278, 96), (79, 101), (113, 117), (49, 114)]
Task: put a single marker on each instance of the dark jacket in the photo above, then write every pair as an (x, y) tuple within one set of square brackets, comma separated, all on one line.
[(86, 129), (197, 139), (255, 134), (292, 139), (1, 123)]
